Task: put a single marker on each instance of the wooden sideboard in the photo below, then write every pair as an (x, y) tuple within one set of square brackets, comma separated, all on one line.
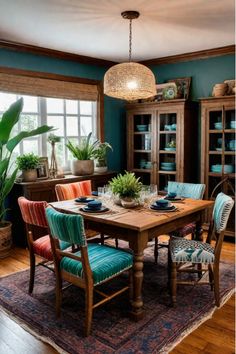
[(44, 190)]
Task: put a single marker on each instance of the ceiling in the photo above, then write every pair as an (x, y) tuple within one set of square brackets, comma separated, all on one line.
[(95, 28)]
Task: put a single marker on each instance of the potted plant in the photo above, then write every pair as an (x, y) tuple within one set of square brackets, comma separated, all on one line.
[(7, 178), (127, 187), (83, 154), (171, 145), (100, 155), (27, 163)]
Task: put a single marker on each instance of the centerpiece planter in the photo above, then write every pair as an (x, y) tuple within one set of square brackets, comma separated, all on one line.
[(128, 202)]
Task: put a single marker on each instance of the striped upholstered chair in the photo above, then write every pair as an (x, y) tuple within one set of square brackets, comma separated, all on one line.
[(73, 190), (33, 214), (92, 265), (185, 190), (201, 257)]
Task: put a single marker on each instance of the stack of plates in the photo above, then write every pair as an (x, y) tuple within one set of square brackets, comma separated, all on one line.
[(218, 168), (233, 124), (168, 166)]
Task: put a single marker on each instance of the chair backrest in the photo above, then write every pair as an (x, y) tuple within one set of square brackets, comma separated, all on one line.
[(73, 190), (221, 211), (187, 190), (33, 212), (65, 227)]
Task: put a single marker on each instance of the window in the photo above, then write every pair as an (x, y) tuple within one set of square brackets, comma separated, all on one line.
[(72, 119)]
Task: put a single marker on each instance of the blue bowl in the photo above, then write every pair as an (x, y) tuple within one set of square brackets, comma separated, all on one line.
[(218, 125), (171, 194), (162, 203), (94, 205)]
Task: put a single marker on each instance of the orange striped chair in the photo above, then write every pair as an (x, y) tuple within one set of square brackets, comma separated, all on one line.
[(33, 214)]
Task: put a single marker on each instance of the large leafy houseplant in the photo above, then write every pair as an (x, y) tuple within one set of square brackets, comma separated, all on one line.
[(8, 142)]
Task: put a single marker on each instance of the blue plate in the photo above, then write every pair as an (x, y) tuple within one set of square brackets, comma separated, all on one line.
[(157, 207), (169, 208), (78, 200), (95, 193), (174, 199), (88, 210)]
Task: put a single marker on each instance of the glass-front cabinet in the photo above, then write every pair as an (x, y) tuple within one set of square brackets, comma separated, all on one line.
[(161, 139), (218, 148)]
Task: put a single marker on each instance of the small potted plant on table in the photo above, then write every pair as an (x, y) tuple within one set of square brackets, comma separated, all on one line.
[(127, 187), (27, 163)]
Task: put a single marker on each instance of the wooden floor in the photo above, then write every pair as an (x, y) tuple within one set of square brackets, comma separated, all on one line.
[(216, 335)]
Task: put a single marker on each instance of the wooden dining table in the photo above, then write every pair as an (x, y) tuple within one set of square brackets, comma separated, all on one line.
[(138, 226)]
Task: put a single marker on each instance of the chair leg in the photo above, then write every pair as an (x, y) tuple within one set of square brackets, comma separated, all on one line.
[(156, 250), (211, 277), (102, 239), (216, 285), (117, 243), (131, 285), (173, 283), (32, 272), (58, 293), (88, 310)]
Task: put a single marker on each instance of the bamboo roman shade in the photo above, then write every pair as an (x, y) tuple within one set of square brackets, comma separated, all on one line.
[(46, 87)]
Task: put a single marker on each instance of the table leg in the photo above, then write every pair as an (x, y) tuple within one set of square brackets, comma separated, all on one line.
[(199, 230), (137, 311)]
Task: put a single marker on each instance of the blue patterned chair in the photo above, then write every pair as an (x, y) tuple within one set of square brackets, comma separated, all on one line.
[(198, 254), (88, 266), (185, 190)]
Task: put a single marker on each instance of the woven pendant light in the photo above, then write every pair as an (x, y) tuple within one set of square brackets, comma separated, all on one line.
[(129, 81)]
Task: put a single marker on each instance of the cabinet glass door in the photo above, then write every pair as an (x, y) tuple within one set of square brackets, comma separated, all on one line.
[(166, 149), (142, 146)]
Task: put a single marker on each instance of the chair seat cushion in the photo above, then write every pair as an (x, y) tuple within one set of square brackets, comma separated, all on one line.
[(105, 262), (42, 247), (183, 250), (186, 230)]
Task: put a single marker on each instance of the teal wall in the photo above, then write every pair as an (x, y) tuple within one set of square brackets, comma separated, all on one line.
[(204, 73), (114, 115)]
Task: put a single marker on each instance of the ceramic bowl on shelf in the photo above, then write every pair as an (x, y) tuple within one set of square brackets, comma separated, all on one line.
[(218, 125), (141, 127), (233, 124), (232, 145), (219, 168), (173, 126), (167, 127), (170, 149), (168, 166)]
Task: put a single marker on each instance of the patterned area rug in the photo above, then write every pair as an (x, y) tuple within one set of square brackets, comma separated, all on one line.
[(112, 330)]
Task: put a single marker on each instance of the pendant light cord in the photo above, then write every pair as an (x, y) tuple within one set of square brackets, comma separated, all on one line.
[(130, 39)]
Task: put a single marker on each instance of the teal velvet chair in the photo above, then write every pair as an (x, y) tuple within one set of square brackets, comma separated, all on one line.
[(87, 266), (201, 257), (185, 190)]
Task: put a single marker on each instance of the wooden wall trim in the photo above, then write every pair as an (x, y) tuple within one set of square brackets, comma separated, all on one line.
[(21, 47), (201, 54), (44, 75)]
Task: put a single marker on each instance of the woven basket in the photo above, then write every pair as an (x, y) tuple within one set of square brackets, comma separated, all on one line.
[(5, 239)]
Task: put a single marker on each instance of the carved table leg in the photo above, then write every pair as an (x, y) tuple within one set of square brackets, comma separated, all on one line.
[(137, 311), (137, 303)]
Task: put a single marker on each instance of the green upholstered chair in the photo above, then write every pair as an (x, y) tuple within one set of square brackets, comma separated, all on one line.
[(185, 190), (199, 256), (88, 266)]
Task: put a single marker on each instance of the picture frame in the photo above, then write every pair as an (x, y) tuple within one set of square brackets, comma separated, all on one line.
[(43, 168), (183, 86)]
